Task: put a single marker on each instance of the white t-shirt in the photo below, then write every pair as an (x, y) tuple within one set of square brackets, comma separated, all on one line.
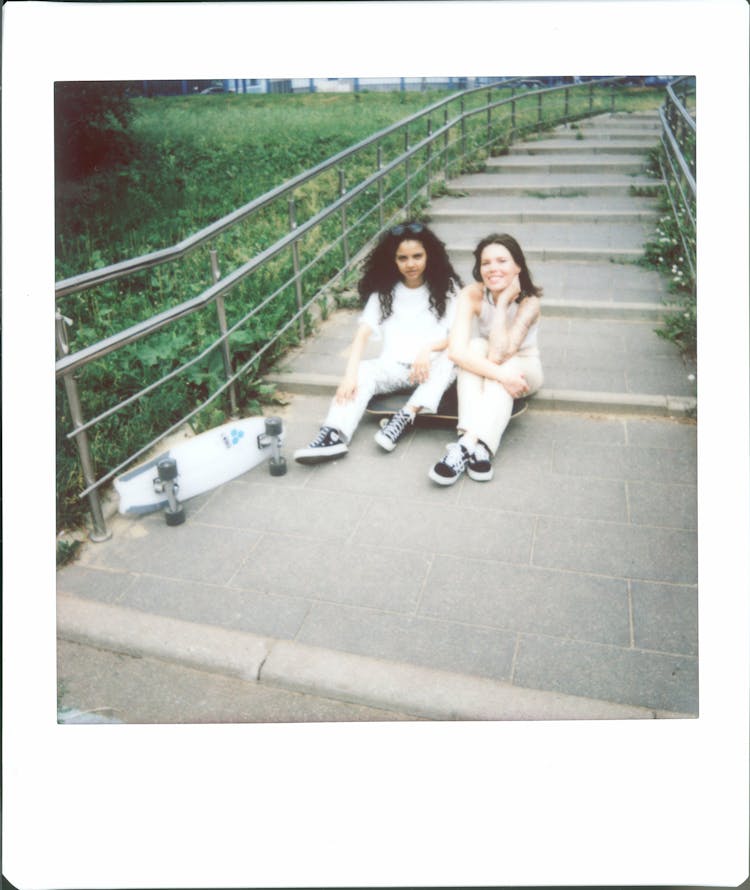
[(411, 325)]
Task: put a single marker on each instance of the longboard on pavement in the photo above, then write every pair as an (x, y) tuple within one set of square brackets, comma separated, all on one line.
[(200, 464), (389, 403)]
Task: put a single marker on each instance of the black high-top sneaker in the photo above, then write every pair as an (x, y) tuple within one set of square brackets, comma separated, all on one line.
[(327, 445), (389, 435)]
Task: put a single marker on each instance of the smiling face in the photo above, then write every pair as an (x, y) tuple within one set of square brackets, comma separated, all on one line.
[(411, 260), (497, 267)]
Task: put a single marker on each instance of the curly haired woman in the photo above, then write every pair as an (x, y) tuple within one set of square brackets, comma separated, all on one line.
[(408, 290)]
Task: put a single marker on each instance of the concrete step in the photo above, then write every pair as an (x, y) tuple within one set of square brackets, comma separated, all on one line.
[(538, 184), (546, 215), (592, 282), (581, 241), (549, 399), (559, 162), (602, 134), (623, 118), (519, 208), (593, 145)]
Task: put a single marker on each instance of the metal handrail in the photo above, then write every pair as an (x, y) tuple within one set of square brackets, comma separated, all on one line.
[(68, 363), (678, 171)]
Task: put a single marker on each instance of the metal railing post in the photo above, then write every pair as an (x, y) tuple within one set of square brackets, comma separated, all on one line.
[(489, 118), (225, 349), (512, 114), (407, 166), (446, 145), (591, 96), (429, 159), (295, 263), (463, 133), (344, 231), (381, 212), (100, 532)]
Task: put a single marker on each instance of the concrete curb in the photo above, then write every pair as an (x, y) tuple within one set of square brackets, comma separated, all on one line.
[(556, 400), (403, 688), (614, 403), (131, 632)]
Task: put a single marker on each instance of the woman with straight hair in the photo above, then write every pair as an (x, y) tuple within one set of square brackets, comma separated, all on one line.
[(498, 366), (408, 292)]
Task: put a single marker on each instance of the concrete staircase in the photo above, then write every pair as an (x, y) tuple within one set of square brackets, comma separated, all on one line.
[(572, 201)]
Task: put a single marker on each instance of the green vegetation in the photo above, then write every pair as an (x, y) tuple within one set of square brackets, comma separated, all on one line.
[(67, 551), (672, 251)]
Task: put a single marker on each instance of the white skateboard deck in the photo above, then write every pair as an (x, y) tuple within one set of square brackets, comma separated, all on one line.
[(208, 460)]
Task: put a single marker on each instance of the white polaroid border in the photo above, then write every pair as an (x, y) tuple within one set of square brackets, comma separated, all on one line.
[(404, 804)]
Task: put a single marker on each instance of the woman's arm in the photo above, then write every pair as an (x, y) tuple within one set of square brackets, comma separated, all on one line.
[(460, 354), (469, 305), (347, 389), (527, 314), (420, 369)]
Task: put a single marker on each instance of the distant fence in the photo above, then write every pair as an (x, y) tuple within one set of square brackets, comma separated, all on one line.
[(356, 84)]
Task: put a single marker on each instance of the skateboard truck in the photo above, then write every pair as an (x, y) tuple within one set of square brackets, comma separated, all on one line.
[(166, 482), (272, 438)]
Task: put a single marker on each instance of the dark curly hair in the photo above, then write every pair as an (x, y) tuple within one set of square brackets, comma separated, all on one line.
[(381, 273), (528, 288)]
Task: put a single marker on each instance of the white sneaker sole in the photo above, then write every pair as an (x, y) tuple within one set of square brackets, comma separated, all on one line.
[(319, 455), (442, 480), (384, 441), (480, 477)]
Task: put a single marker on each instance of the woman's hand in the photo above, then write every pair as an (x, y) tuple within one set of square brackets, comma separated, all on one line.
[(515, 383), (347, 390), (511, 292), (420, 369)]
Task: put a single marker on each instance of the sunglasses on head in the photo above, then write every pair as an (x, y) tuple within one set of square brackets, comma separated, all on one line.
[(411, 228)]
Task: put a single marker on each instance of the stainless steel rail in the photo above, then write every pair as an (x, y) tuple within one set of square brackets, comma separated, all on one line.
[(470, 133), (677, 162)]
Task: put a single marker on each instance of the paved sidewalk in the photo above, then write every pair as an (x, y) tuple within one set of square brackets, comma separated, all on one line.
[(565, 588)]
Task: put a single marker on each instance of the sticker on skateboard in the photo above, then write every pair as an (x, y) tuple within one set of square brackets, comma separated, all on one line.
[(389, 403), (200, 464)]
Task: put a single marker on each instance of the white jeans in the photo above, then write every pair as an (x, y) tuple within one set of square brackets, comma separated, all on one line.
[(485, 406), (377, 376)]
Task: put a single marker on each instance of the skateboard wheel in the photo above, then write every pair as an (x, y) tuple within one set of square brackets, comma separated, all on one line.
[(277, 466), (167, 469), (175, 517), (273, 426)]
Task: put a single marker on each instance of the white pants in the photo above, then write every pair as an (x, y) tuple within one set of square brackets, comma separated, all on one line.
[(485, 406), (377, 376)]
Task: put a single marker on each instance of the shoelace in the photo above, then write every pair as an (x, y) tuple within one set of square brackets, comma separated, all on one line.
[(456, 456), (321, 437), (396, 425)]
